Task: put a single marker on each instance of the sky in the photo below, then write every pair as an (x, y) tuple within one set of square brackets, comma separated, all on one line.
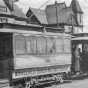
[(25, 4)]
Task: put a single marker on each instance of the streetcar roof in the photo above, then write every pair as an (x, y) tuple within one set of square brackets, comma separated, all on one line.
[(27, 33), (80, 38)]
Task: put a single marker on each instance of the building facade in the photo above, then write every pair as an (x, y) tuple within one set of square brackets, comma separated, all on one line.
[(59, 15)]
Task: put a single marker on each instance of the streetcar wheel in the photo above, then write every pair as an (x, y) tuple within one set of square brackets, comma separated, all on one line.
[(61, 80), (28, 85)]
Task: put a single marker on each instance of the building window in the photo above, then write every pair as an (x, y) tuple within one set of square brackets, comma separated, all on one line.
[(80, 19)]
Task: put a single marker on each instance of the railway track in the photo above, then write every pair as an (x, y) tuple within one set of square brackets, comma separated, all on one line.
[(73, 78), (49, 84), (5, 83)]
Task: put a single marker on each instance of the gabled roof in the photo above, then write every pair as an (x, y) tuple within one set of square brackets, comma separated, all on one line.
[(57, 12), (40, 15), (76, 6)]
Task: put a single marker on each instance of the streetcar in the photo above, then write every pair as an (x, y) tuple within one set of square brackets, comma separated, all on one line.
[(31, 56)]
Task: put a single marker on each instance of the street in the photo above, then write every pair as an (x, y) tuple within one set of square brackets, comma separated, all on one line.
[(74, 84)]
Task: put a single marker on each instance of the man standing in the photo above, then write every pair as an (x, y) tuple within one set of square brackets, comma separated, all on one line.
[(77, 60)]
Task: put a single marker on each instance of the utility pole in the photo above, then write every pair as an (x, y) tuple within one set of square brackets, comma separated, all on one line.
[(56, 13), (72, 24)]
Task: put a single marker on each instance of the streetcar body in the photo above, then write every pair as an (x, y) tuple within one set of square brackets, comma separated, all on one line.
[(33, 55)]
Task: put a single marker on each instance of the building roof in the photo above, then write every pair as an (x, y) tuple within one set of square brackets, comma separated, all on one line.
[(57, 13), (66, 16), (2, 3), (18, 12), (76, 6), (53, 12), (40, 15), (59, 5)]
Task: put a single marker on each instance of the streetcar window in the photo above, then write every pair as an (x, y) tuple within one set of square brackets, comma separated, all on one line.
[(31, 44), (41, 45), (50, 45), (67, 45), (20, 44), (28, 45), (59, 45)]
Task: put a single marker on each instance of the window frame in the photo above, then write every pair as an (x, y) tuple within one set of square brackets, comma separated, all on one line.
[(62, 51), (25, 50), (65, 51), (43, 50)]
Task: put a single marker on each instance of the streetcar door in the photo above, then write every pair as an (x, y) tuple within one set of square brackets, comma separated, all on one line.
[(5, 54), (85, 56), (76, 56)]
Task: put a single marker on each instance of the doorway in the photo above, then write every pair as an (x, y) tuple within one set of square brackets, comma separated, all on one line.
[(5, 54)]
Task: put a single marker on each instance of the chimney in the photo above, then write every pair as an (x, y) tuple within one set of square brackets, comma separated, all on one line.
[(55, 2)]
